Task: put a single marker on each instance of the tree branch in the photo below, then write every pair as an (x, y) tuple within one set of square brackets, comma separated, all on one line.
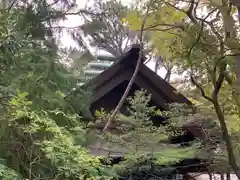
[(11, 5), (139, 61), (222, 70), (179, 26), (200, 88), (189, 54)]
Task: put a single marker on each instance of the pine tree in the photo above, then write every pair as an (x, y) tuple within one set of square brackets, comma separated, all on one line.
[(144, 147)]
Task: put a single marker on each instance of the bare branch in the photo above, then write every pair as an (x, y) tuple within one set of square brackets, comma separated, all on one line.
[(190, 12), (189, 54), (11, 5), (200, 88), (139, 61), (221, 76), (179, 26)]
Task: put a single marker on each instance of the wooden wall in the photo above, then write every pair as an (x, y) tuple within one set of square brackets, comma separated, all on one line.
[(111, 99)]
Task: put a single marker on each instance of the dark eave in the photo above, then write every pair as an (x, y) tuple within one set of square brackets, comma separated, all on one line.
[(147, 79)]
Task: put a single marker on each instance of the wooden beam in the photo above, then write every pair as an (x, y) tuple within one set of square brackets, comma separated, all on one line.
[(163, 86), (111, 84), (121, 64), (103, 77)]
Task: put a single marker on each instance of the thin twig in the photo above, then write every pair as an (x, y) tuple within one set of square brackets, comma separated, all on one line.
[(11, 5)]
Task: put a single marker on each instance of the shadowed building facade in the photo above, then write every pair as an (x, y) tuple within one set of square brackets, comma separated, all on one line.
[(108, 85)]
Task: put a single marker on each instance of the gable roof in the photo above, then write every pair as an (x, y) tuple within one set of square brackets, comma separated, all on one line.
[(162, 92), (122, 70)]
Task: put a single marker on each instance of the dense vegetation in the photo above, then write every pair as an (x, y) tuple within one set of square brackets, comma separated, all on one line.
[(37, 124), (42, 135)]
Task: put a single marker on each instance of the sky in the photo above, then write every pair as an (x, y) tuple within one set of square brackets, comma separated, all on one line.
[(74, 20)]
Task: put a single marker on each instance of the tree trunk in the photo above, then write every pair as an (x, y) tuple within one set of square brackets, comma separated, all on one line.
[(236, 3), (168, 75), (222, 176), (231, 33), (227, 139), (238, 69), (210, 175), (139, 62), (121, 102), (157, 65), (228, 175)]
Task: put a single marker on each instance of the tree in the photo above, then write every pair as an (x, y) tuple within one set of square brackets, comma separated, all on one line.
[(129, 86), (41, 135), (206, 46), (39, 127), (145, 146), (105, 31)]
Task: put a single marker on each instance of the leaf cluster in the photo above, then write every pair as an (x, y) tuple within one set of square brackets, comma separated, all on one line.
[(38, 124), (139, 140)]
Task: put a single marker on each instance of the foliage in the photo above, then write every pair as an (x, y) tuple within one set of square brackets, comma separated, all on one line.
[(104, 28), (8, 174), (201, 39), (37, 139), (41, 135), (50, 149), (142, 142)]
